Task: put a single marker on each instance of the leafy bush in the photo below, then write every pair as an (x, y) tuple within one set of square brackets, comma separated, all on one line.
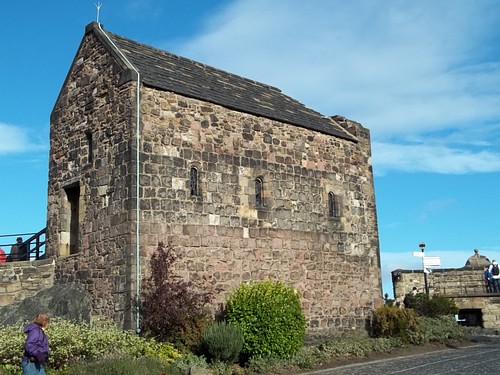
[(440, 306), (11, 348), (316, 355), (391, 321), (70, 343), (223, 342), (431, 307), (223, 368), (118, 366), (441, 329), (186, 363), (265, 364), (188, 335), (270, 317), (172, 309), (388, 301)]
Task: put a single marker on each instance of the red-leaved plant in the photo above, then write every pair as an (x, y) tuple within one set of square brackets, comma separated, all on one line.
[(172, 308)]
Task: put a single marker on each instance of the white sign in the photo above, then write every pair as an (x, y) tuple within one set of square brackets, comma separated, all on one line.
[(432, 262), (418, 254)]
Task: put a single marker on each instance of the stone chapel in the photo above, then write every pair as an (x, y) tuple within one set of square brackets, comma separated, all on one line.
[(243, 181)]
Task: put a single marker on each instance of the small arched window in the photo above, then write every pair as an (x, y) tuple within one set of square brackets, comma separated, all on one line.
[(90, 149), (193, 182), (333, 205), (259, 192)]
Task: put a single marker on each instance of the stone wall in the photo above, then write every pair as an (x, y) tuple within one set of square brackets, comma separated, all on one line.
[(464, 285), (445, 281), (221, 234), (91, 217), (20, 280)]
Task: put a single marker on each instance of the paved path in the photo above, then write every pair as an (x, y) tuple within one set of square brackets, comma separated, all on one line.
[(483, 358)]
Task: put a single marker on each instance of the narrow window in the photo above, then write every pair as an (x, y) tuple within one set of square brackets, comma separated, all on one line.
[(193, 182), (259, 192), (72, 224), (333, 205), (90, 149)]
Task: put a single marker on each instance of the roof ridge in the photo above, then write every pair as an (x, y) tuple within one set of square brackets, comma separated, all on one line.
[(167, 71), (187, 59)]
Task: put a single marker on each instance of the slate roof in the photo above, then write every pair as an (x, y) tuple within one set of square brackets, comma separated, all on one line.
[(163, 70)]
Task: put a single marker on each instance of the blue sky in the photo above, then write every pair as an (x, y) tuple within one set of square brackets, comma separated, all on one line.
[(423, 76)]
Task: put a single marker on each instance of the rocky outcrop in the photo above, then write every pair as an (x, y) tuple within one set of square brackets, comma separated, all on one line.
[(64, 301)]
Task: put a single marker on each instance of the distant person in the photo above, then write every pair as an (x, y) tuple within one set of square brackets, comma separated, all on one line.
[(409, 299), (488, 280), (495, 275), (3, 257), (18, 251), (36, 346)]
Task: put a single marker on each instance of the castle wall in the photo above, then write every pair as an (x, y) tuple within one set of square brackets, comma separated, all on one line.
[(91, 216), (445, 281), (20, 280), (221, 234), (464, 285)]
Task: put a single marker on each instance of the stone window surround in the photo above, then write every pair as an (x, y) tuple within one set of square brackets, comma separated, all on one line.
[(194, 182), (333, 206), (259, 192)]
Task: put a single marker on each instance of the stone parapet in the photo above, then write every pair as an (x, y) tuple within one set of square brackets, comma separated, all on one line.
[(445, 281), (464, 285), (19, 280)]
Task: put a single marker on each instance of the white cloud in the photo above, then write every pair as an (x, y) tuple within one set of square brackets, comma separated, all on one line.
[(435, 206), (15, 139), (432, 158), (400, 68)]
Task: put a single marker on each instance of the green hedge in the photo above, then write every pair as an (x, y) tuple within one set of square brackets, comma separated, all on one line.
[(270, 317)]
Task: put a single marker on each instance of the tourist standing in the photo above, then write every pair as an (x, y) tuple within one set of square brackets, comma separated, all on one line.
[(488, 280), (36, 346), (495, 275)]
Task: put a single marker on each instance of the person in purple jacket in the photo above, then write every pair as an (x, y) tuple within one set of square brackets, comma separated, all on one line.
[(36, 346)]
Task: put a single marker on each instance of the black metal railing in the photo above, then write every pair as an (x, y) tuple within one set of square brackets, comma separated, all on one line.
[(31, 249)]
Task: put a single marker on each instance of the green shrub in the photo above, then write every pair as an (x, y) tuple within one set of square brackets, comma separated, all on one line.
[(223, 368), (270, 317), (346, 347), (391, 321), (223, 342), (118, 366), (172, 309), (264, 364), (431, 307), (441, 306), (71, 343), (186, 363), (11, 348), (388, 301), (441, 329)]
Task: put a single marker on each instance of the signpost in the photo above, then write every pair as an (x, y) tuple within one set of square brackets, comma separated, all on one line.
[(427, 263)]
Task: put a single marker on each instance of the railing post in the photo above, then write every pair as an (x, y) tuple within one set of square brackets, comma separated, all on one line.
[(37, 256)]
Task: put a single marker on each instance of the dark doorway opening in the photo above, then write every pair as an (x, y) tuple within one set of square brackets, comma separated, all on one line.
[(73, 196), (470, 317)]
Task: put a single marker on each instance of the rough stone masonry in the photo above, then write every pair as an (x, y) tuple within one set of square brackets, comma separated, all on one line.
[(244, 182)]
